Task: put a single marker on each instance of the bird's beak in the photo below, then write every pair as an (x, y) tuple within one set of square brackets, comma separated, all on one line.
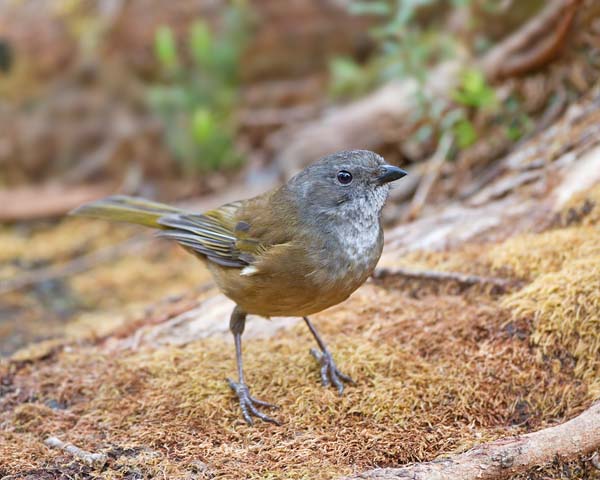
[(389, 173)]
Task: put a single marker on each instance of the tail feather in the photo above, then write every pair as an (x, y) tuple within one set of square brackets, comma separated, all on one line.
[(122, 208)]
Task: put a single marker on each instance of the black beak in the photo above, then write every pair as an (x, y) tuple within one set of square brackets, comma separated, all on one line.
[(390, 173)]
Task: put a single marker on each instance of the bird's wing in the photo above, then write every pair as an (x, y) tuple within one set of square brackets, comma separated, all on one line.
[(237, 234), (216, 235)]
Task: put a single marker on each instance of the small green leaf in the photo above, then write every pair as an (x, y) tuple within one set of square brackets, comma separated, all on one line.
[(347, 77), (203, 125), (201, 43), (513, 132), (165, 48), (474, 91), (465, 133), (518, 126)]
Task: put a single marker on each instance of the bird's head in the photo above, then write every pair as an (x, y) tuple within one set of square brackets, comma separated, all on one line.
[(356, 180)]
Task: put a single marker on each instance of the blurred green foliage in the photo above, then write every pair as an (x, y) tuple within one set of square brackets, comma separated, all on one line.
[(348, 78), (406, 49), (198, 92), (407, 46), (474, 91)]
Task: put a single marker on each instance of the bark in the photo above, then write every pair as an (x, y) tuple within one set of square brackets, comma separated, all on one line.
[(506, 456)]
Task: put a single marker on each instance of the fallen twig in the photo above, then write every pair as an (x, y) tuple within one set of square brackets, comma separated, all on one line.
[(92, 459), (501, 284), (507, 456), (77, 265), (433, 172)]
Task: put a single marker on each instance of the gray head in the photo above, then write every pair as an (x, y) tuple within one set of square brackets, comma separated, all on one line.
[(356, 180)]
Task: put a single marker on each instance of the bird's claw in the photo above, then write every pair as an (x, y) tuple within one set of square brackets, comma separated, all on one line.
[(329, 371), (249, 404)]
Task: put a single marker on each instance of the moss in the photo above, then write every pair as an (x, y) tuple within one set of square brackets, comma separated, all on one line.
[(57, 242), (582, 208), (562, 301), (565, 309), (95, 302), (37, 351), (531, 255), (435, 374), (162, 270)]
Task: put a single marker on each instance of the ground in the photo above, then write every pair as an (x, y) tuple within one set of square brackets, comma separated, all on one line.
[(118, 343), (439, 367)]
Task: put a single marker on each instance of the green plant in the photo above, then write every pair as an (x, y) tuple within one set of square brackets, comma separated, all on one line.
[(472, 95), (198, 91), (406, 48), (348, 78), (474, 91), (408, 42)]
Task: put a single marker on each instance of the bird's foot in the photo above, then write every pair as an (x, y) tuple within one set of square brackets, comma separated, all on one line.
[(330, 375), (249, 404)]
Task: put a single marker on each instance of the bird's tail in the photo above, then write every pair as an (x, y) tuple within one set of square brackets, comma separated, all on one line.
[(122, 208)]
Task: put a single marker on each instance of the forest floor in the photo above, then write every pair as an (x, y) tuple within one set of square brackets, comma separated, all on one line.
[(125, 353)]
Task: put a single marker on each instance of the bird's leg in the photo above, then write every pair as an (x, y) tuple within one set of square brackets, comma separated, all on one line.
[(248, 403), (329, 371)]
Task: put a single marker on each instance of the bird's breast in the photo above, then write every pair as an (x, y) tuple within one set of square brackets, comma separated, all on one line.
[(315, 273), (358, 245), (356, 250)]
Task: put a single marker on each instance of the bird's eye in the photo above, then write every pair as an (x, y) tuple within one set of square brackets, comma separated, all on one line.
[(344, 177)]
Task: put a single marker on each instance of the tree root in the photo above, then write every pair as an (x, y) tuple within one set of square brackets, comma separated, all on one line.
[(507, 456), (500, 284)]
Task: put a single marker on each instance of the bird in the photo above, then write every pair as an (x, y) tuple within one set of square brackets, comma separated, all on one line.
[(293, 251)]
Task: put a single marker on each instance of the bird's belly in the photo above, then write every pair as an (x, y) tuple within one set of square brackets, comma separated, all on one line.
[(288, 293), (298, 303)]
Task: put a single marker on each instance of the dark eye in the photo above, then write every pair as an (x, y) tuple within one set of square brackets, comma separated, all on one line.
[(344, 177)]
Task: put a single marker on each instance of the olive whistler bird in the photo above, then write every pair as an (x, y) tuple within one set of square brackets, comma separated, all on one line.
[(292, 251)]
